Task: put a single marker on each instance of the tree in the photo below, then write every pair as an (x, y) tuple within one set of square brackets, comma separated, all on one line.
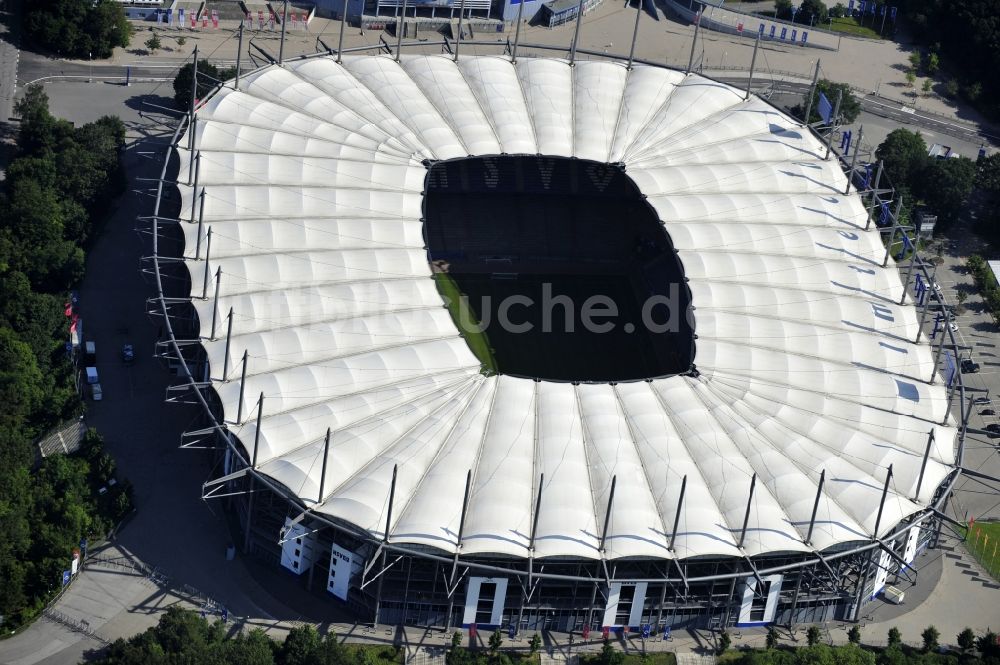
[(209, 76), (182, 40), (496, 641), (77, 28), (724, 641), (301, 647), (838, 10), (915, 60), (930, 637), (813, 636), (945, 185), (927, 85), (812, 12), (910, 78), (933, 63), (535, 644), (772, 637), (153, 44), (782, 8), (854, 635), (904, 155), (850, 107), (610, 655), (966, 639), (456, 639), (895, 637)]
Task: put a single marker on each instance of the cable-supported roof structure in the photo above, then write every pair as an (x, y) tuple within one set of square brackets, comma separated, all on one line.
[(303, 213)]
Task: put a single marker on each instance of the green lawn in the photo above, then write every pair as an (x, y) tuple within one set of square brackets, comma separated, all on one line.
[(463, 315), (651, 658), (850, 25), (983, 541)]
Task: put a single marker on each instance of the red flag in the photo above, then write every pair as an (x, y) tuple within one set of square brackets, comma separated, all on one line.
[(204, 20), (605, 632), (194, 20), (472, 630), (215, 18), (69, 309)]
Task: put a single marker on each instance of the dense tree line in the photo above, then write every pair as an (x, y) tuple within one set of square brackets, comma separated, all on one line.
[(182, 636), (967, 35), (59, 181), (77, 28)]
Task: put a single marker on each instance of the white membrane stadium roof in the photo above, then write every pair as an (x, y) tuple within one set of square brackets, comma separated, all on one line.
[(313, 176)]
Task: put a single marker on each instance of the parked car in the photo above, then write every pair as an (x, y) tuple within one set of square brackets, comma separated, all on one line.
[(994, 430), (128, 353), (969, 366), (91, 375), (988, 412), (96, 393), (952, 326)]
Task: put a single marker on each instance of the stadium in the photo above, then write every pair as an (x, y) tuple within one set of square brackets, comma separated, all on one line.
[(337, 231)]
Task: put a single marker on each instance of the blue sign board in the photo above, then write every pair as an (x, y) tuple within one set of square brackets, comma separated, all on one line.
[(66, 576)]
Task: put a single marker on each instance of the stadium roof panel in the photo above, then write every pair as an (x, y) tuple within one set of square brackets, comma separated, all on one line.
[(312, 176)]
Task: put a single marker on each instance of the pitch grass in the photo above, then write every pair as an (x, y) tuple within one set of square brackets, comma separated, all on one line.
[(465, 319), (849, 25), (983, 542)]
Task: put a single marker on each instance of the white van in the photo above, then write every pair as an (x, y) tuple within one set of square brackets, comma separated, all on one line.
[(92, 375), (894, 595)]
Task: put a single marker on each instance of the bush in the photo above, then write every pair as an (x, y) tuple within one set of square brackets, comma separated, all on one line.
[(813, 636), (724, 641), (966, 639), (895, 637), (930, 637), (772, 637), (854, 635)]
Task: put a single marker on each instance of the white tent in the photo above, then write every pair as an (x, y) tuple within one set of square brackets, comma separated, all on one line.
[(312, 175)]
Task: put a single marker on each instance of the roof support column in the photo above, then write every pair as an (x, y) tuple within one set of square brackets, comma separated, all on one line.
[(322, 476), (229, 337), (746, 516), (833, 120), (635, 34), (753, 63), (913, 260), (243, 383), (256, 435), (576, 33), (239, 54), (874, 201), (458, 37), (946, 320), (215, 300), (458, 549), (399, 30), (881, 504), (854, 159), (201, 223), (923, 313), (208, 250), (812, 520), (517, 33), (526, 591), (385, 539), (812, 93), (281, 46), (677, 515), (923, 466), (343, 25), (694, 40), (892, 232), (607, 514)]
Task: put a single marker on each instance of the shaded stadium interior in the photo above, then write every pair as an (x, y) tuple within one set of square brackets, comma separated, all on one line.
[(568, 252)]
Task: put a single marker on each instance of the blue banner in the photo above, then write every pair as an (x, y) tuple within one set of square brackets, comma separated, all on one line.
[(871, 7), (760, 30), (794, 34), (65, 578), (883, 10), (824, 108), (892, 14), (906, 242), (884, 216), (861, 6), (850, 5), (772, 32), (805, 36), (784, 32)]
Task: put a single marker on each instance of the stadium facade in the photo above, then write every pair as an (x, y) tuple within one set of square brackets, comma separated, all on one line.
[(781, 464)]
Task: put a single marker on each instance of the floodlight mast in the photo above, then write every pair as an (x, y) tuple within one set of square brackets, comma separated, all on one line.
[(239, 55), (343, 25), (753, 63), (281, 46), (694, 40), (399, 30), (812, 93), (458, 37), (576, 33), (635, 34)]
